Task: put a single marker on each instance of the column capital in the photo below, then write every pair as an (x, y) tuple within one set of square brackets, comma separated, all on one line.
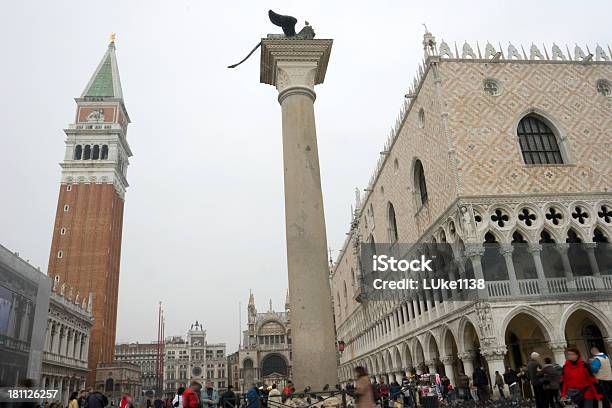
[(447, 360), (467, 356), (506, 249), (294, 63), (557, 346), (534, 249), (472, 250), (589, 246), (494, 352), (562, 247)]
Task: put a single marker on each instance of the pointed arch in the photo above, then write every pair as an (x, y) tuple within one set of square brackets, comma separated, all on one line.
[(420, 183), (392, 222), (539, 139), (548, 330)]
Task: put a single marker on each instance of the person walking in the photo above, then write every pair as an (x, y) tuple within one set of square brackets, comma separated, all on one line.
[(551, 382), (512, 380), (209, 395), (535, 378), (288, 390), (73, 401), (191, 396), (481, 382), (126, 401), (463, 385), (96, 399), (274, 397), (602, 370), (177, 401), (364, 392), (228, 398), (252, 397), (499, 383), (577, 381)]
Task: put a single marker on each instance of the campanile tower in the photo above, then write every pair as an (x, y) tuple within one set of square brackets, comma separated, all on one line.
[(86, 246)]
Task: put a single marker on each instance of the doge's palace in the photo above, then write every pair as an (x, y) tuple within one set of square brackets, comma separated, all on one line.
[(498, 151)]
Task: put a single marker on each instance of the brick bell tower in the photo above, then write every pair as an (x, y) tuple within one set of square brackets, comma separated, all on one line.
[(86, 246)]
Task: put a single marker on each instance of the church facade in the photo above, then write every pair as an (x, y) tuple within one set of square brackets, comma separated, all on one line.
[(265, 354), (503, 153)]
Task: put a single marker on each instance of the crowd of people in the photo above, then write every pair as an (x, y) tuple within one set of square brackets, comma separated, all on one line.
[(541, 382), (585, 383)]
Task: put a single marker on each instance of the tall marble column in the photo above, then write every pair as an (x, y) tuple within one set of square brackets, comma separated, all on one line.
[(294, 66)]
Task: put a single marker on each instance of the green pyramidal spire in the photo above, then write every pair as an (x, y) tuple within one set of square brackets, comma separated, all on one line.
[(105, 81)]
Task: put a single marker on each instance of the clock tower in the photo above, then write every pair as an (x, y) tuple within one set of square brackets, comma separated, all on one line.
[(86, 245)]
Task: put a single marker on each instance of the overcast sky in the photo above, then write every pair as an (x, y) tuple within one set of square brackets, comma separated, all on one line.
[(204, 219)]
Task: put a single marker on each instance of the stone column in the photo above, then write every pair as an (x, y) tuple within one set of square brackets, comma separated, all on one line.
[(558, 350), (468, 363), (535, 250), (495, 362), (294, 66), (431, 364), (506, 251), (449, 368), (562, 248), (589, 247), (475, 252)]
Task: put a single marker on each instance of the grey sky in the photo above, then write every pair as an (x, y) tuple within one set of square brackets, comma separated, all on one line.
[(204, 215)]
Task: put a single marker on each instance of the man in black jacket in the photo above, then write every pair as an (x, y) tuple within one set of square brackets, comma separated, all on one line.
[(96, 399), (511, 379), (228, 398)]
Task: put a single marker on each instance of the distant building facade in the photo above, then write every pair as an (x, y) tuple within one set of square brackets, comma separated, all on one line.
[(144, 355), (194, 359), (64, 366), (265, 354), (24, 305), (233, 370), (114, 379)]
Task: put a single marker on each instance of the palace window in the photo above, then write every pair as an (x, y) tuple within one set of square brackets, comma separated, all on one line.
[(96, 152), (392, 223), (104, 152), (87, 152), (420, 183), (78, 152), (538, 142)]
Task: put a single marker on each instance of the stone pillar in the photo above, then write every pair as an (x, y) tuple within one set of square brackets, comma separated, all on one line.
[(535, 250), (294, 66), (431, 364), (562, 248), (467, 359), (449, 368), (475, 252), (495, 362), (558, 350), (589, 247), (506, 251)]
